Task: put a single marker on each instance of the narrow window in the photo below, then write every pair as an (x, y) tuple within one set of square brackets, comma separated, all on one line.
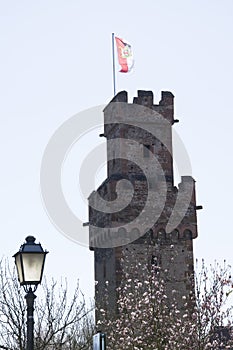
[(154, 260), (104, 267)]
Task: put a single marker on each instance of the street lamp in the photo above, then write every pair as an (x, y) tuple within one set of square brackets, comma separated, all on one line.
[(29, 262)]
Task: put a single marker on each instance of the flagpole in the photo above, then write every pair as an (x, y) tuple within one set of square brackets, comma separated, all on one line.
[(113, 65)]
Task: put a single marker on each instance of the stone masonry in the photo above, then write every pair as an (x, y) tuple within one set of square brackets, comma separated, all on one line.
[(137, 207)]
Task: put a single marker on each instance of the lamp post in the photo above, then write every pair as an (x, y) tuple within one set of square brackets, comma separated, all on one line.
[(29, 262)]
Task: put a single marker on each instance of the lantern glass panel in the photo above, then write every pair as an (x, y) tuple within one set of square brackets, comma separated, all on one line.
[(33, 266), (19, 267)]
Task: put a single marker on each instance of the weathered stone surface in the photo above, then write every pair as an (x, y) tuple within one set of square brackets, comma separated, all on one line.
[(153, 187)]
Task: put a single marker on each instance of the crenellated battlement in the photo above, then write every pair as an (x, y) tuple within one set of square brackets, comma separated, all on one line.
[(146, 98)]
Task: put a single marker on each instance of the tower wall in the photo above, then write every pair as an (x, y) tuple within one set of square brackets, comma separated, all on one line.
[(139, 152)]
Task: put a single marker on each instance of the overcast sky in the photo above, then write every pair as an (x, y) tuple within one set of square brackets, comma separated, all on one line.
[(56, 61)]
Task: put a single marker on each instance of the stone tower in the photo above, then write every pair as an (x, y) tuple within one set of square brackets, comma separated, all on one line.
[(137, 207)]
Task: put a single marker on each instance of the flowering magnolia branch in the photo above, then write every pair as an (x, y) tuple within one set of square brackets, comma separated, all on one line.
[(148, 319)]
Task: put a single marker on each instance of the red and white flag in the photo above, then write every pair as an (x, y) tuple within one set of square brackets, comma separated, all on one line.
[(125, 55)]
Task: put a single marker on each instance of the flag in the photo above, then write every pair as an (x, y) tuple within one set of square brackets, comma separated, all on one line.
[(125, 55)]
